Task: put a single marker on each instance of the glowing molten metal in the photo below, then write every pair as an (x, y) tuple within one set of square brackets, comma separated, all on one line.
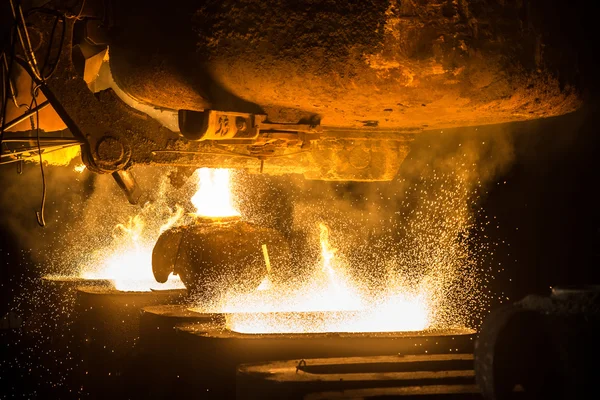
[(129, 263), (79, 168), (330, 301), (213, 198)]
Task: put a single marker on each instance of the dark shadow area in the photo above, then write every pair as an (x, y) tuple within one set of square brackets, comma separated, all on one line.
[(145, 42), (546, 205), (539, 205)]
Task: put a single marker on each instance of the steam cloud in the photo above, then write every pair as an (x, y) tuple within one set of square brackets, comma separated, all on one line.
[(424, 229), (420, 227)]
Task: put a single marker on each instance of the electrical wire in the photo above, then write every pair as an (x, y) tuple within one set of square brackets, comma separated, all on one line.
[(78, 16), (7, 79), (23, 36), (39, 76), (39, 214), (58, 18)]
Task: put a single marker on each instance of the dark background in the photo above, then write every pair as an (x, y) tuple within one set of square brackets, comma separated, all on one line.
[(550, 193), (548, 210), (551, 196), (546, 230)]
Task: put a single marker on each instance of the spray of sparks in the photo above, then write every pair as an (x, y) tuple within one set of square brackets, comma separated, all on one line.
[(435, 274), (128, 264), (79, 168), (330, 289), (431, 264), (328, 301), (127, 260)]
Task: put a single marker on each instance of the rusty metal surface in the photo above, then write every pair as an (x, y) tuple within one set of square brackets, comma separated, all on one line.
[(115, 136), (108, 329), (391, 64), (387, 69), (207, 353), (445, 392), (215, 254), (294, 379)]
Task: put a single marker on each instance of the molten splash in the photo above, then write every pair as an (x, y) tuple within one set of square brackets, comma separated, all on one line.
[(213, 198), (128, 264), (79, 168), (330, 301), (61, 157)]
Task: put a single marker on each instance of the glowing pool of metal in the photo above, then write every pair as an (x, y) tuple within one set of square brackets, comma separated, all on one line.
[(372, 320)]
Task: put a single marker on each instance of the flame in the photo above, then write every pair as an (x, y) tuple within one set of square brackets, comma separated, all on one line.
[(128, 261), (330, 301), (60, 158), (79, 168), (214, 198), (172, 220), (328, 256), (327, 252), (129, 264)]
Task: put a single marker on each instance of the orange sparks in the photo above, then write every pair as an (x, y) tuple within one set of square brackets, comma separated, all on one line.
[(330, 301), (129, 263), (79, 168)]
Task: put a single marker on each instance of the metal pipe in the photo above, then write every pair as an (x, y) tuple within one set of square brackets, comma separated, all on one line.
[(53, 149), (36, 149), (32, 140), (5, 70), (128, 184), (23, 117)]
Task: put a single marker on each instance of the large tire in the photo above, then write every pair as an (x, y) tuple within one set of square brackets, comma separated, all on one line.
[(514, 349)]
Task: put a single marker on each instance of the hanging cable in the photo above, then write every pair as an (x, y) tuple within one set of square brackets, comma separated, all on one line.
[(4, 92), (78, 16), (39, 214), (9, 82), (23, 36), (39, 75), (59, 18), (7, 79)]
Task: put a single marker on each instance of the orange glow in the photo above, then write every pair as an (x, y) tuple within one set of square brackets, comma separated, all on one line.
[(213, 198), (330, 301), (79, 168), (128, 264)]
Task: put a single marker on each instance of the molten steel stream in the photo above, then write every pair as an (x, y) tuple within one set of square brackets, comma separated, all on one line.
[(330, 300), (128, 264)]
